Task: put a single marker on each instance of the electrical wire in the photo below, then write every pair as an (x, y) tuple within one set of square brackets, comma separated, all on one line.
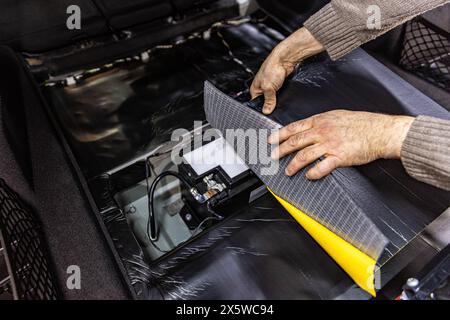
[(149, 167), (232, 56), (196, 230), (196, 35), (158, 248), (152, 228), (213, 212)]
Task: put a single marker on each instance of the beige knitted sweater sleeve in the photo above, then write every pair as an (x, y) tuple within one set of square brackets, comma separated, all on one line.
[(343, 25), (426, 151)]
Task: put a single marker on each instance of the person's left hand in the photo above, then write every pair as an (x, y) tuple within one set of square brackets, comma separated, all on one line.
[(344, 138)]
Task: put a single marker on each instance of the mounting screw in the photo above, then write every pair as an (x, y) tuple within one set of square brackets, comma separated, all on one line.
[(412, 283), (188, 217)]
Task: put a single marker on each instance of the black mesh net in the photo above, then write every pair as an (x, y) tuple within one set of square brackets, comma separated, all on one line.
[(25, 246), (426, 52)]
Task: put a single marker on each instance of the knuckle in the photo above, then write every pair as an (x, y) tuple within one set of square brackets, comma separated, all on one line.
[(293, 141), (269, 101), (320, 169), (318, 117), (297, 139), (293, 126), (334, 144), (309, 155), (301, 156), (320, 131), (333, 113), (266, 86), (314, 120), (323, 131), (335, 163)]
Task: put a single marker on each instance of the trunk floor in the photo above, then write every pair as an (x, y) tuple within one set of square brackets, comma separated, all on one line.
[(125, 112)]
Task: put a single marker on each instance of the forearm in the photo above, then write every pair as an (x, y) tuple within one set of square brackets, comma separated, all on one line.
[(425, 152), (342, 25), (297, 47)]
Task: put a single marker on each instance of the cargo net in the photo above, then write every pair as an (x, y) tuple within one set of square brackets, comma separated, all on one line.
[(426, 52), (31, 277)]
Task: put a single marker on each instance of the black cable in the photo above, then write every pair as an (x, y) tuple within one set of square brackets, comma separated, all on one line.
[(152, 226), (152, 230), (196, 230), (154, 245)]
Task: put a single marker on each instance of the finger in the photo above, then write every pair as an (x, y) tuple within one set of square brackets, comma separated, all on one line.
[(290, 130), (296, 142), (323, 168), (270, 101), (304, 158), (255, 91)]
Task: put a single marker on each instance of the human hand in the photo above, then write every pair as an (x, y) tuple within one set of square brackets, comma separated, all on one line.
[(344, 138), (280, 64)]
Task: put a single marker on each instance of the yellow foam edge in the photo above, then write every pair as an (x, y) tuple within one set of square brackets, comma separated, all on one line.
[(358, 265)]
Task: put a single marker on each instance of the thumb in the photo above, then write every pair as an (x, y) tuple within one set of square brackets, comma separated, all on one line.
[(270, 101)]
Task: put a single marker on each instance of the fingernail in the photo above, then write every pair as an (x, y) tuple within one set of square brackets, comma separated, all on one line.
[(266, 110), (288, 172)]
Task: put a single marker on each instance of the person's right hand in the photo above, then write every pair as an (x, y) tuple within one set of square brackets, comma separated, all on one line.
[(280, 64)]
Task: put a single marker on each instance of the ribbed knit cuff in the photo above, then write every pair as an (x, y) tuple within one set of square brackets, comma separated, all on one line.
[(426, 151), (332, 32)]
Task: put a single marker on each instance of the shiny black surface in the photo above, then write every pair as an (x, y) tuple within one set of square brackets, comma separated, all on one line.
[(122, 113), (261, 253)]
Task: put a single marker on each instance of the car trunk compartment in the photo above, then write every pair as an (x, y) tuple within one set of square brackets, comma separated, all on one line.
[(115, 114)]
